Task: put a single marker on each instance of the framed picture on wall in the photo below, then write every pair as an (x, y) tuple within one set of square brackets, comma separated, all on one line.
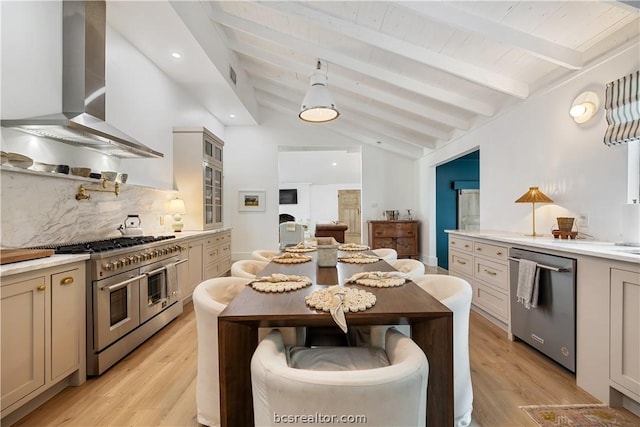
[(251, 200)]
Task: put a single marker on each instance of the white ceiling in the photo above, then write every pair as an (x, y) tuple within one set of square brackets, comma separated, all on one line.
[(406, 76)]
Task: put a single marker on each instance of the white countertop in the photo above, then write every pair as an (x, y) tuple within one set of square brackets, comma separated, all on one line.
[(594, 248), (37, 264), (57, 260)]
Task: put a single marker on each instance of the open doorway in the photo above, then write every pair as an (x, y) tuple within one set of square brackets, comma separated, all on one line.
[(456, 207), (319, 174)]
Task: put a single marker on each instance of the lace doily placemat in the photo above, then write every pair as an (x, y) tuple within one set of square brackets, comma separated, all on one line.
[(353, 247), (352, 299), (280, 283), (379, 279), (291, 258), (359, 258), (300, 247)]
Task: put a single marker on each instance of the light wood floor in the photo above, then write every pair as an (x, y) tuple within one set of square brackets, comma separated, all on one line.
[(155, 385)]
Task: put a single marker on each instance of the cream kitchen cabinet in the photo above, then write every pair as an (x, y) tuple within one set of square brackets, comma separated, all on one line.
[(198, 174), (485, 266), (625, 332), (43, 333), (209, 257)]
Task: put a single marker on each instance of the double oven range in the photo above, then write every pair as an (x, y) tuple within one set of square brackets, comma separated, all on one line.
[(132, 293)]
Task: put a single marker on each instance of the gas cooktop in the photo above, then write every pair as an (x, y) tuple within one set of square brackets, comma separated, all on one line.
[(108, 244)]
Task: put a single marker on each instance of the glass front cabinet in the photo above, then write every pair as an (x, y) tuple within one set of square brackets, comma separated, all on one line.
[(198, 174)]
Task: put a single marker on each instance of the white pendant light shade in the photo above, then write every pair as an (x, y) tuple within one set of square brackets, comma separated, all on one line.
[(318, 105)]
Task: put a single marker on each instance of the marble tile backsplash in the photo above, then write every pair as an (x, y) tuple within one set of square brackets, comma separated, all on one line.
[(40, 209)]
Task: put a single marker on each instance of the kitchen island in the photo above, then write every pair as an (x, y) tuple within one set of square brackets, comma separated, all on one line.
[(607, 302)]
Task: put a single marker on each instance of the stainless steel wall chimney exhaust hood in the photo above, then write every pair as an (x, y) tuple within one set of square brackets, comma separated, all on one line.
[(82, 121)]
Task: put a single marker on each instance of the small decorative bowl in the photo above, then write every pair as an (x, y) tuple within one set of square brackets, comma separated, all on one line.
[(43, 167), (19, 160), (84, 172), (123, 178), (62, 169), (109, 176)]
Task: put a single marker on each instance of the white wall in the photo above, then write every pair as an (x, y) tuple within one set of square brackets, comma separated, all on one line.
[(538, 144)]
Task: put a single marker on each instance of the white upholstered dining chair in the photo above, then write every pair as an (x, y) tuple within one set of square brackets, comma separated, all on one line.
[(247, 268), (264, 255), (209, 299), (291, 233), (386, 254), (456, 294), (388, 387), (412, 267)]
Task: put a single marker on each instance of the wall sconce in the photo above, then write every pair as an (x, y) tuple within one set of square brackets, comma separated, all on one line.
[(177, 208), (534, 196), (584, 107)]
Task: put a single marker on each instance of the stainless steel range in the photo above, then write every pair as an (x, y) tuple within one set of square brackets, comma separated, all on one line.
[(133, 293)]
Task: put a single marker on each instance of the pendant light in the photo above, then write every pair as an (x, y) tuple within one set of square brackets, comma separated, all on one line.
[(318, 105)]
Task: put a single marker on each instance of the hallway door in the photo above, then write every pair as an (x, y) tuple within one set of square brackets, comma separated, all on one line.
[(349, 213)]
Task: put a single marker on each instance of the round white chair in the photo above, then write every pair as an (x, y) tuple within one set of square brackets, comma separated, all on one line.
[(456, 294), (411, 267), (264, 255), (209, 299), (362, 384), (386, 254), (247, 268)]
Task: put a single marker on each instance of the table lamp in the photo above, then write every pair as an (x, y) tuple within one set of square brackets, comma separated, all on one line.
[(177, 208), (534, 196)]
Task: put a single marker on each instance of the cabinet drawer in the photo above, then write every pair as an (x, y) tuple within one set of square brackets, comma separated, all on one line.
[(406, 246), (384, 230), (461, 262), (491, 251), (460, 244), (492, 272), (493, 302), (383, 242), (406, 230)]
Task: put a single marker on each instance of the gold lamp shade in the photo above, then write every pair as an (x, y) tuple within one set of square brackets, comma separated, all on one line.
[(533, 196)]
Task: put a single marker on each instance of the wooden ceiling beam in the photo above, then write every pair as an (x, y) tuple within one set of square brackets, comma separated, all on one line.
[(448, 64), (346, 61), (472, 23)]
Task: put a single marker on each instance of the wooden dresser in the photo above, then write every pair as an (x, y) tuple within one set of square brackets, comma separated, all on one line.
[(399, 235)]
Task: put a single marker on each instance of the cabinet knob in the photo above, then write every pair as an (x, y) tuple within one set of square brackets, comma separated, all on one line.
[(66, 281), (42, 287), (478, 249), (499, 253), (492, 273)]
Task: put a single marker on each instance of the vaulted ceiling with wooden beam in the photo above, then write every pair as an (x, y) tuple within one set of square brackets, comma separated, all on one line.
[(406, 76)]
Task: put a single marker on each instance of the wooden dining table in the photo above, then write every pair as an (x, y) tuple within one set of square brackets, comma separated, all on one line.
[(431, 329)]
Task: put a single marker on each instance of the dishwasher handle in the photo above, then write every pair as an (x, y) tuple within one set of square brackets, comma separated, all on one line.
[(546, 267)]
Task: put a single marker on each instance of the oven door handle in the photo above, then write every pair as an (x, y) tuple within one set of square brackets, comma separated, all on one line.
[(157, 270), (121, 284), (182, 261)]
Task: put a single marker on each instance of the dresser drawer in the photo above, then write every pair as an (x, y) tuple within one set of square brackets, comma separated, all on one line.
[(491, 272), (461, 262), (460, 244), (406, 246), (493, 302), (491, 251), (406, 230)]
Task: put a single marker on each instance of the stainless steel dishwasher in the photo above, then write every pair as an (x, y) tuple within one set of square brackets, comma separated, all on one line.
[(551, 326)]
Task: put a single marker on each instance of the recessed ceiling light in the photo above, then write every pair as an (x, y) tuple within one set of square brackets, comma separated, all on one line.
[(334, 164), (232, 115), (176, 55)]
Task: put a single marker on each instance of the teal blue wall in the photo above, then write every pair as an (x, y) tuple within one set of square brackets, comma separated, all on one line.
[(466, 168)]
